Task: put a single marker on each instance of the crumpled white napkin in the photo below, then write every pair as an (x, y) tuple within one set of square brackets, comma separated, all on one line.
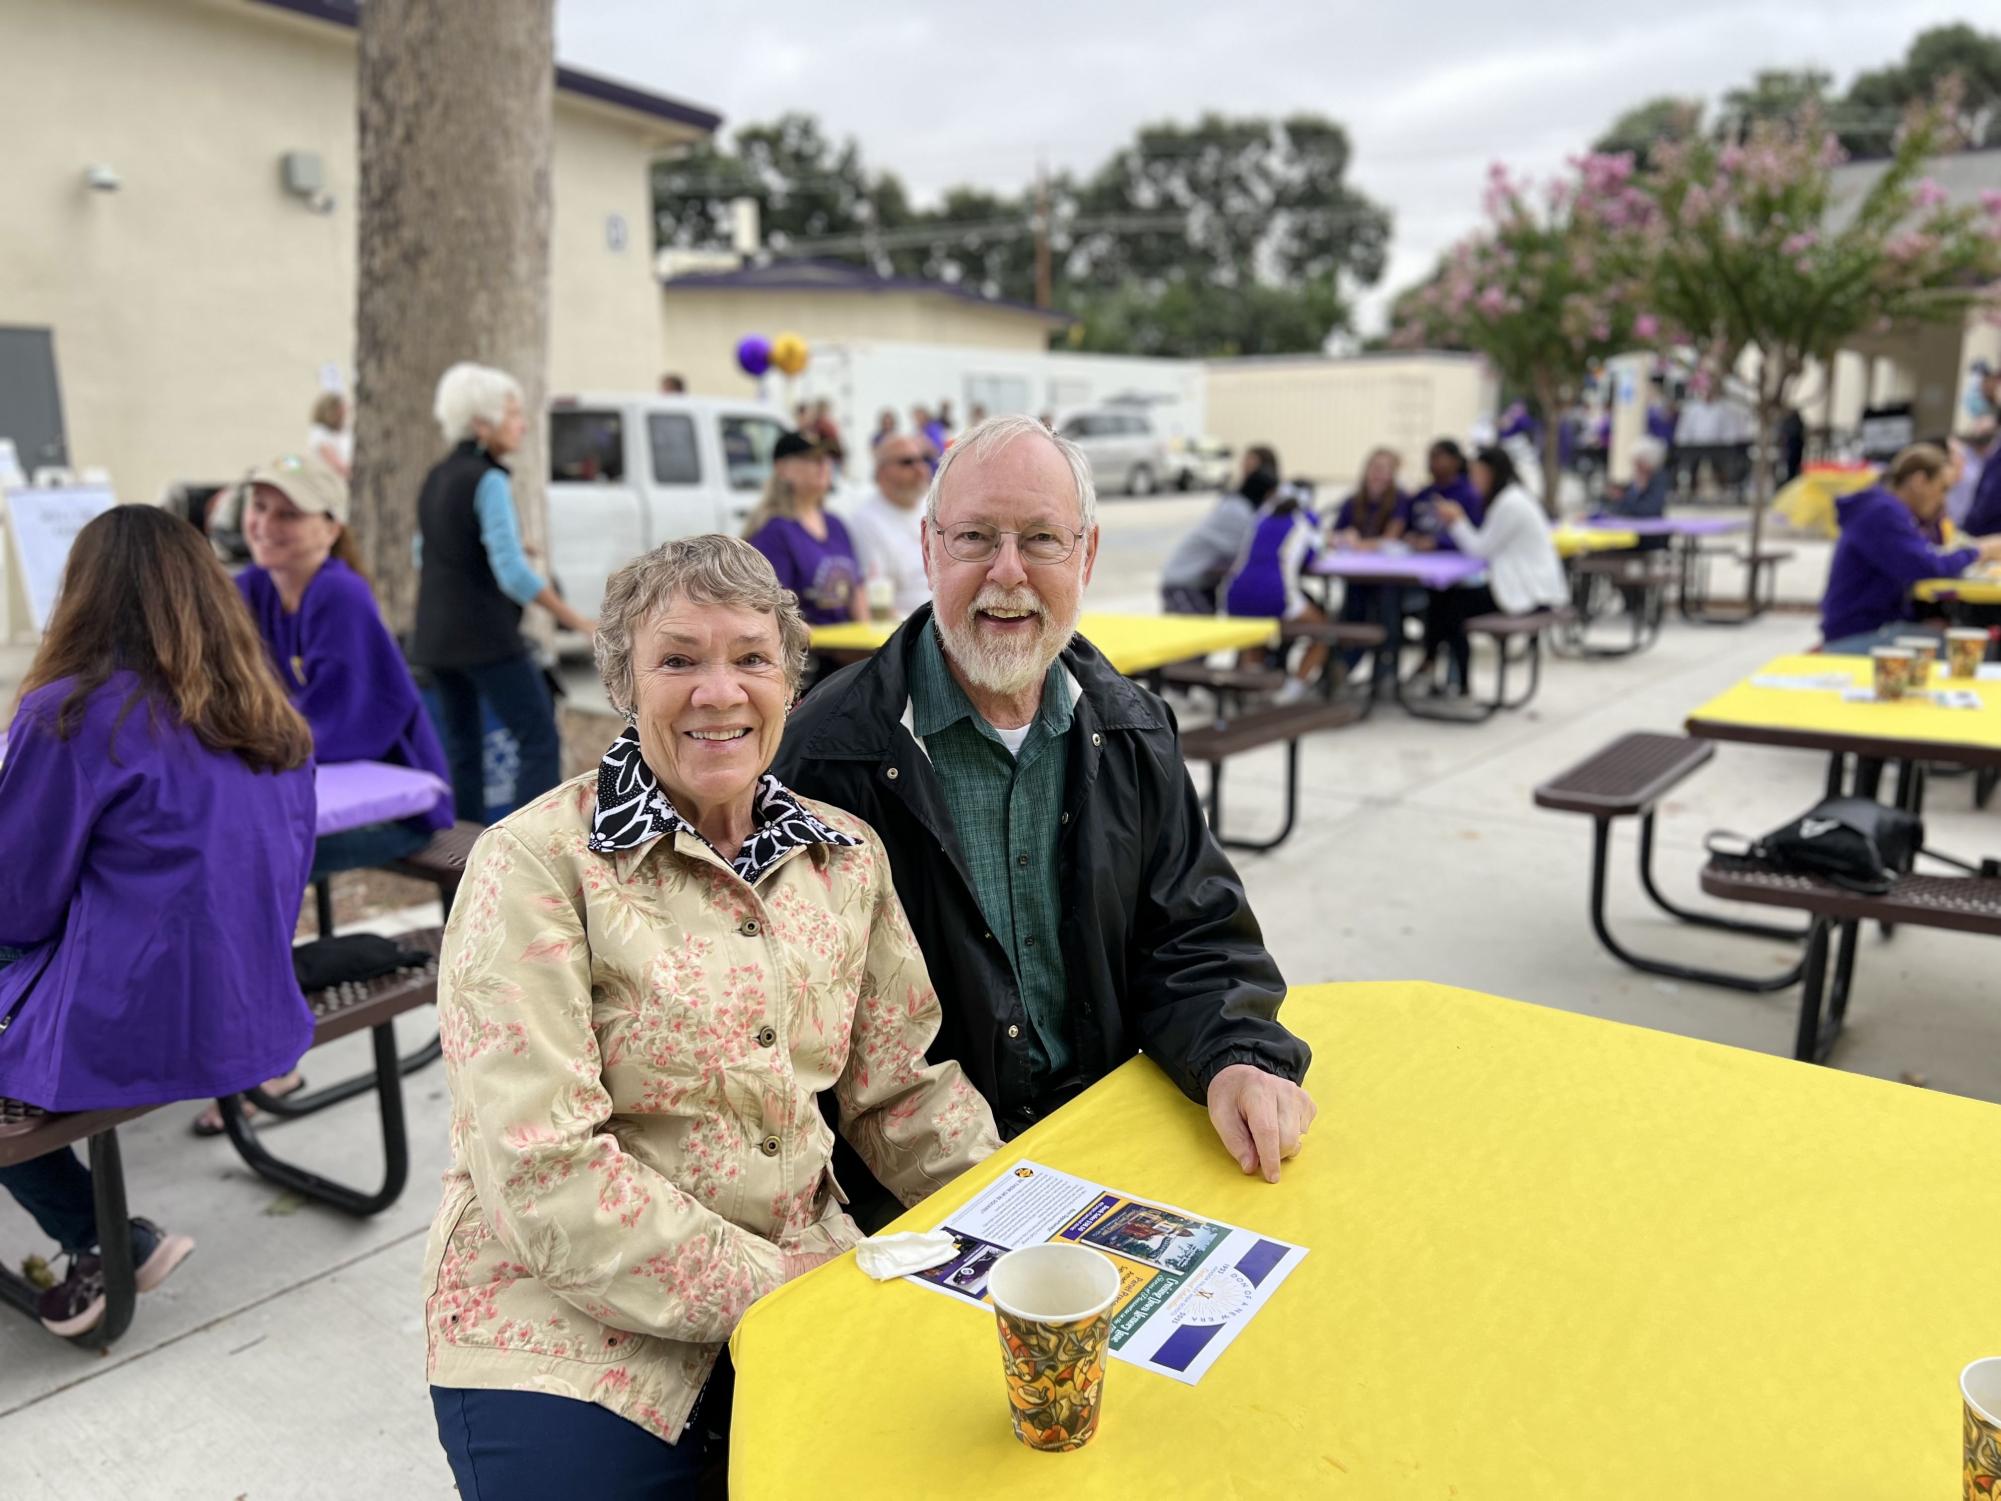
[(886, 1256)]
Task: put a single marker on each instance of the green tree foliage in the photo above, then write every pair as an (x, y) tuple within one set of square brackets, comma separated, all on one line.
[(1778, 94), (807, 186), (1224, 236), (1867, 118), (1636, 132)]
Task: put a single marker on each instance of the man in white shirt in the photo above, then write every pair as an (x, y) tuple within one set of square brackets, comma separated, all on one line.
[(888, 527)]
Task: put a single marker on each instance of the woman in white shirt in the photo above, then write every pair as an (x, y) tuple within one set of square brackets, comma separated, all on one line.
[(1524, 573), (328, 437)]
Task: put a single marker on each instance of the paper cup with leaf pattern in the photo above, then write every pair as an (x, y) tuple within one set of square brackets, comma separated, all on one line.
[(1054, 1303), (1980, 1399), (1894, 667), (1965, 649), (1925, 650)]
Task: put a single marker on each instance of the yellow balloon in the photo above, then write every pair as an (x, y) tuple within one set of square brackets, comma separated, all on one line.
[(788, 353)]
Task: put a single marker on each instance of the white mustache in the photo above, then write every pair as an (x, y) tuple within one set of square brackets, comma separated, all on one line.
[(992, 598)]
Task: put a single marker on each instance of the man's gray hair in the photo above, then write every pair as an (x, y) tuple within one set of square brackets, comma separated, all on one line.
[(1650, 451), (707, 570), (989, 437), (469, 392)]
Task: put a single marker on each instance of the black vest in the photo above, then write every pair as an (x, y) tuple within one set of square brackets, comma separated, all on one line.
[(463, 620)]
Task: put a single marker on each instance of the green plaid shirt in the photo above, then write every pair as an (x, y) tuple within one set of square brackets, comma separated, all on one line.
[(1007, 811)]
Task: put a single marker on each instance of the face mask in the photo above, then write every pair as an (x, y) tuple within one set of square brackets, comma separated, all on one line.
[(1977, 405)]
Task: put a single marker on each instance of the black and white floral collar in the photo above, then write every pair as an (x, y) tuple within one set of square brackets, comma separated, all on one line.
[(632, 810)]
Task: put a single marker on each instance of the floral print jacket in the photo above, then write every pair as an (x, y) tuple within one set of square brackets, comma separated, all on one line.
[(635, 1038)]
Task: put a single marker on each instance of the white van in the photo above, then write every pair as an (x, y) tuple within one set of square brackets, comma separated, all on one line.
[(628, 472)]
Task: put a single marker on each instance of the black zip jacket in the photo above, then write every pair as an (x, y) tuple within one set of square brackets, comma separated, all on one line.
[(1160, 948)]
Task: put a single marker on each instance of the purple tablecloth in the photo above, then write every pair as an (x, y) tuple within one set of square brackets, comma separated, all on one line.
[(1669, 526), (356, 793), (1425, 570)]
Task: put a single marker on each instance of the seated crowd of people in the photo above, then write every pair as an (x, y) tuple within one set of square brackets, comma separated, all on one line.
[(1251, 554), (937, 898)]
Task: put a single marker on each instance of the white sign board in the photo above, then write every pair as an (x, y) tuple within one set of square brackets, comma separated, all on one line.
[(10, 465), (41, 525)]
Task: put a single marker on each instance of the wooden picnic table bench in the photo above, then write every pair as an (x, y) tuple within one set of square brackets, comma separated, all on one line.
[(27, 1131)]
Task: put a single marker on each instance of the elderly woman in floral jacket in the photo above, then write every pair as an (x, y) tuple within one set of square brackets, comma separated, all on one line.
[(650, 976)]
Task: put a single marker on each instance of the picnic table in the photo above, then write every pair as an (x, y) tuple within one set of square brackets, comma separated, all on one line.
[(354, 794), (1681, 1269), (1133, 644), (1974, 588), (1792, 713), (1576, 541)]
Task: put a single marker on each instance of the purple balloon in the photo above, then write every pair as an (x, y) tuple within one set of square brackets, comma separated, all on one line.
[(753, 353)]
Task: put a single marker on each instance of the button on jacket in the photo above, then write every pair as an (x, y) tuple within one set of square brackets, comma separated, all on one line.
[(635, 1040)]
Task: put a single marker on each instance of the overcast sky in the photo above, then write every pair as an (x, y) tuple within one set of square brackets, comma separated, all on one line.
[(1431, 91)]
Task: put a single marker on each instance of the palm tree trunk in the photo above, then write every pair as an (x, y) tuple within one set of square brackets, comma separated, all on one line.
[(454, 102)]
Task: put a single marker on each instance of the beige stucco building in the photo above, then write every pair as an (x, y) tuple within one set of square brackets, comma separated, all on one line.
[(704, 314), (192, 297), (1325, 415)]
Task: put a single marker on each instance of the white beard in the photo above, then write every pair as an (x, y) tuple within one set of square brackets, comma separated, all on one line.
[(1005, 667)]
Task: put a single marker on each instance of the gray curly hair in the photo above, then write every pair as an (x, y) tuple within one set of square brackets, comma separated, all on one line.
[(707, 570)]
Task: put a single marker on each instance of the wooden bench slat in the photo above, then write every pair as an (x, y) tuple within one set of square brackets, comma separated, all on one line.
[(1499, 624), (1627, 777)]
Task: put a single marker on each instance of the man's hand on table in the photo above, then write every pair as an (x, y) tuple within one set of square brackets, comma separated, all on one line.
[(1261, 1118)]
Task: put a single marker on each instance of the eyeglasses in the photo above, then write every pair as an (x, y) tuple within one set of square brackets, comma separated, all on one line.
[(975, 542), (903, 463)]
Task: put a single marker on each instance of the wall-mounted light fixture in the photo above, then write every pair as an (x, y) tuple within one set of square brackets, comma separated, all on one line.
[(303, 175)]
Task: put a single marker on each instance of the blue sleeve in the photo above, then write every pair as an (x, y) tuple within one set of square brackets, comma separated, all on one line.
[(500, 534), (1983, 516)]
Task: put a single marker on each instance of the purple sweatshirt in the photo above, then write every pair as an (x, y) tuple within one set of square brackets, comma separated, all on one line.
[(1881, 554), (824, 575), (1353, 513), (343, 671), (1424, 520), (154, 892)]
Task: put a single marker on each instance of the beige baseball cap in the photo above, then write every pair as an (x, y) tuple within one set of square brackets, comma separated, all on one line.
[(305, 480)]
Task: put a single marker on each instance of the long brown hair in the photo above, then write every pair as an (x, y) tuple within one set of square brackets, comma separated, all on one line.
[(143, 593), (349, 552)]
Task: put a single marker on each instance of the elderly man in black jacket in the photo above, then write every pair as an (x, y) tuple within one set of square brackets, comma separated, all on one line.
[(1046, 841)]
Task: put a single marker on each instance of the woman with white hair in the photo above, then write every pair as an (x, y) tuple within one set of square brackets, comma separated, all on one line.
[(473, 581)]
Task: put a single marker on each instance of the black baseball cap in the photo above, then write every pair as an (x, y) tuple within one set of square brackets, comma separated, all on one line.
[(791, 445)]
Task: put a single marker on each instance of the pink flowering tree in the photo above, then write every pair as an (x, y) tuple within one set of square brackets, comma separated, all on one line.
[(1550, 285), (1747, 249)]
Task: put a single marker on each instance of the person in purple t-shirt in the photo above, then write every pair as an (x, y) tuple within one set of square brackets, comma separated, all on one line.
[(338, 662), (156, 809), (808, 547)]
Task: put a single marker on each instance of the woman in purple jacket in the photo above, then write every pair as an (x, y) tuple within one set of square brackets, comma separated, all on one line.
[(156, 819), (1883, 552), (336, 658)]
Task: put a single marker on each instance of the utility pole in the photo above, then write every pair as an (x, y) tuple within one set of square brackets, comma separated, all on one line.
[(1042, 290)]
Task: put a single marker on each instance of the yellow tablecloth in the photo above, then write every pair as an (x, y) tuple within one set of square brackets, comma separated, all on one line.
[(1823, 714), (1982, 588), (1550, 1257), (1808, 501), (1132, 643), (1574, 540)]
